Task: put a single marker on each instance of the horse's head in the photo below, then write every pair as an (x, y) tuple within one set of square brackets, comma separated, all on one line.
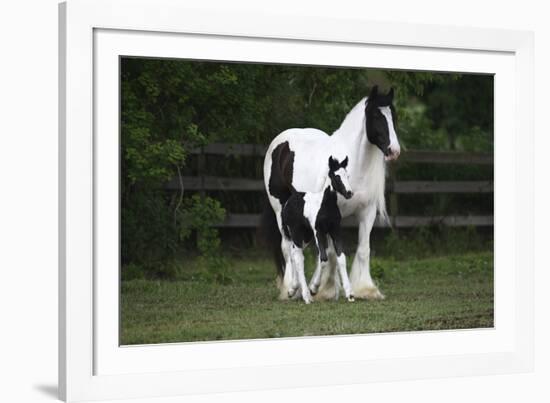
[(380, 123), (339, 178)]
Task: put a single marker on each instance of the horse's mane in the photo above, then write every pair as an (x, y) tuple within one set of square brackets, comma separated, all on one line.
[(354, 119), (354, 122)]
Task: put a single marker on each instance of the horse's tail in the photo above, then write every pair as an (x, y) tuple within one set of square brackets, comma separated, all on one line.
[(382, 211), (380, 200), (270, 236)]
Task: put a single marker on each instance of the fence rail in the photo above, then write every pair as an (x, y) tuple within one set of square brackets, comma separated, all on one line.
[(402, 187), (253, 220), (431, 157), (204, 182)]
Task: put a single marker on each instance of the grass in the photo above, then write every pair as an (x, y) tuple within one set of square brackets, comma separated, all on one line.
[(450, 292)]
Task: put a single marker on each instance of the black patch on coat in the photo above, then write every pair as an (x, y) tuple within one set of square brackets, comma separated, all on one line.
[(377, 126), (295, 226), (282, 170)]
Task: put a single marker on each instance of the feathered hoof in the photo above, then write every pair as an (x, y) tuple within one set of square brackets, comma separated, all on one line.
[(370, 293), (284, 295), (287, 294), (326, 294), (292, 293)]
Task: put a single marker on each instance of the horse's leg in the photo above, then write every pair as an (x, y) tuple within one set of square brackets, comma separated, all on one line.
[(286, 283), (330, 281), (361, 280), (297, 257), (293, 283)]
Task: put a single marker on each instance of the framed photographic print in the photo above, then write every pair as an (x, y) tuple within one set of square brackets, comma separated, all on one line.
[(244, 207)]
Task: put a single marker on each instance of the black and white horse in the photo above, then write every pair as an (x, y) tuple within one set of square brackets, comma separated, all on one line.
[(308, 216), (297, 158)]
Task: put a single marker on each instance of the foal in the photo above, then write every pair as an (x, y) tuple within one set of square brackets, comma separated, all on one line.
[(308, 215)]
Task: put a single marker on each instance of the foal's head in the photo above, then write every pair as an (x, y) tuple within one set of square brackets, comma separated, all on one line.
[(339, 178)]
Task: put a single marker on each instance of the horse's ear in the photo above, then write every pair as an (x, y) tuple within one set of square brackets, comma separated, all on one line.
[(344, 163), (373, 92), (390, 94), (332, 164)]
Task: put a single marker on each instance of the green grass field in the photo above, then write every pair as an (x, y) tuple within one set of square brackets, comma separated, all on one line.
[(452, 292)]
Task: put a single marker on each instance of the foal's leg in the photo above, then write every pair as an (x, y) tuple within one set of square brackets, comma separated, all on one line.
[(297, 257), (322, 259), (316, 278), (343, 271), (341, 262)]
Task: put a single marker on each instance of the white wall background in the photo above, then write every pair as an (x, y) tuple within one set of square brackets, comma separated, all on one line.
[(28, 199)]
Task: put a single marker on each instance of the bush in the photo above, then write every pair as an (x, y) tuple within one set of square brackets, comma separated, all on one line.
[(198, 215)]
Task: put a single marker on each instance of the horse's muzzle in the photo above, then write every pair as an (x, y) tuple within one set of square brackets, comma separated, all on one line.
[(348, 195), (392, 154)]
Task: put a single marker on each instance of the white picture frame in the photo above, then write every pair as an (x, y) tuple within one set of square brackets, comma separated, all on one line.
[(93, 35)]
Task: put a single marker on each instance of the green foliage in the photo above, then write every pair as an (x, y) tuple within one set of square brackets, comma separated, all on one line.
[(442, 111), (415, 82), (442, 240), (198, 215), (377, 270), (148, 235), (158, 130), (132, 271)]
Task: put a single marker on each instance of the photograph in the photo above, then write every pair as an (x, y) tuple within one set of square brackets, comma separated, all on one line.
[(262, 201)]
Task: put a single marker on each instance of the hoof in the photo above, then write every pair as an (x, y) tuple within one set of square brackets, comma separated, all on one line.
[(289, 294), (313, 293), (351, 298), (307, 299), (330, 293), (370, 293), (293, 293)]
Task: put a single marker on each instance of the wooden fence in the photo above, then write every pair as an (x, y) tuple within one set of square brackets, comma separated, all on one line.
[(395, 187)]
